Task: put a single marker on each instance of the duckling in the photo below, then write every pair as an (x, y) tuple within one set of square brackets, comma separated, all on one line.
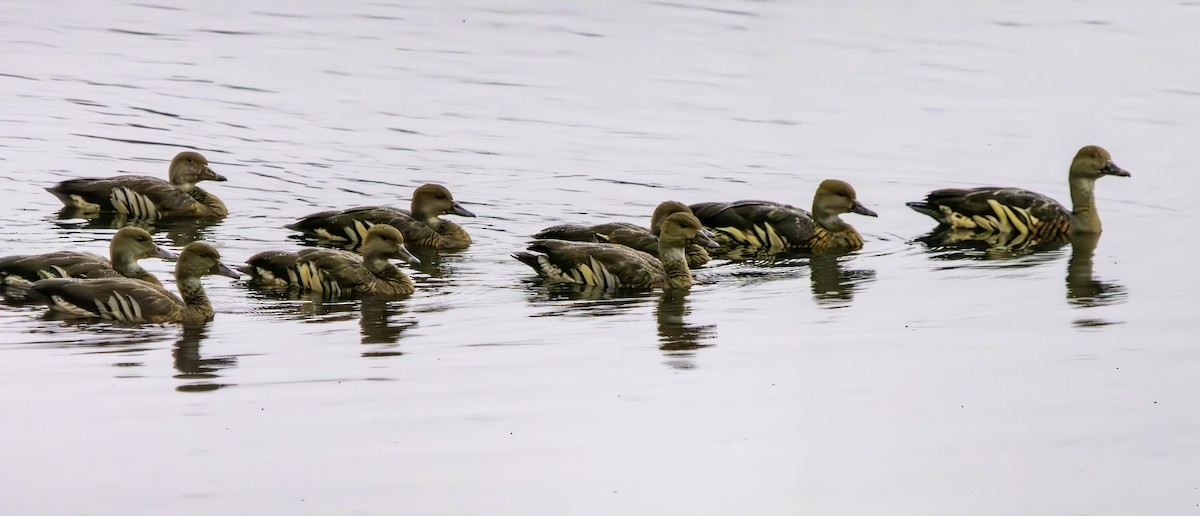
[(421, 226), (145, 197), (614, 266), (128, 245), (1022, 217), (773, 227), (340, 273), (132, 301), (629, 235)]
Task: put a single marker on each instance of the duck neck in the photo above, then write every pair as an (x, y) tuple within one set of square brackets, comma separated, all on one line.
[(394, 279), (192, 292), (1084, 218), (128, 267), (830, 221), (380, 266), (674, 260)]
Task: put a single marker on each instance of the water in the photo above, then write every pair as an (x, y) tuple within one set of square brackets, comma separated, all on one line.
[(896, 380)]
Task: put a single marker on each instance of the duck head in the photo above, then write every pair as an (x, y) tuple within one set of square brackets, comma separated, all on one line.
[(189, 168), (136, 243), (835, 197), (431, 200), (680, 229), (663, 211), (200, 259), (1093, 162), (387, 242)]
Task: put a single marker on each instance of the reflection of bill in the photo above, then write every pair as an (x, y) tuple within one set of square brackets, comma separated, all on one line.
[(1083, 288), (678, 339)]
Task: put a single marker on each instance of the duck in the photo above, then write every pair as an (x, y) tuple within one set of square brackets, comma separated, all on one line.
[(339, 273), (421, 225), (608, 266), (128, 245), (1022, 217), (132, 301), (628, 234), (145, 197), (772, 227)]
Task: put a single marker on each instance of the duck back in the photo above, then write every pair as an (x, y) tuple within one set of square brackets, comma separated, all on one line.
[(118, 299), (760, 225), (141, 197), (997, 210), (597, 265)]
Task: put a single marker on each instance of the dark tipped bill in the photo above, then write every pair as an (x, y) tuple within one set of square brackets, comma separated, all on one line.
[(705, 239), (857, 207), (209, 175), (460, 211), (404, 254), (1111, 169), (224, 270), (159, 252)]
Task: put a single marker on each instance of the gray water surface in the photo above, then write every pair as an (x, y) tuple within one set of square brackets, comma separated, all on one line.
[(894, 380)]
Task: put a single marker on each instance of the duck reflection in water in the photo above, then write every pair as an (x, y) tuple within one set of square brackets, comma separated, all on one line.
[(383, 322), (833, 286), (192, 366), (180, 232), (1084, 289), (565, 299), (380, 321), (677, 339), (955, 244)]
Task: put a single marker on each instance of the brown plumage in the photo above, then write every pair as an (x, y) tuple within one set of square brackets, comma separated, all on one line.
[(615, 266), (1013, 217), (133, 301), (128, 245), (145, 197), (629, 235), (422, 225), (772, 227), (336, 273)]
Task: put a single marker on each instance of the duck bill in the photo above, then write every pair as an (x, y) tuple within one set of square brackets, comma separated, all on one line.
[(457, 209), (705, 240), (403, 254), (164, 254), (224, 270), (1111, 169), (858, 208), (209, 175)]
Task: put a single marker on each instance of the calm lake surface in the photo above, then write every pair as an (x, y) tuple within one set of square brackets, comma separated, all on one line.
[(895, 380)]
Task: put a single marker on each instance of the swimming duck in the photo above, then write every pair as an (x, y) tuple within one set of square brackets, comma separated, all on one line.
[(629, 235), (1025, 217), (614, 266), (128, 245), (421, 226), (774, 227), (340, 273), (133, 301), (145, 197)]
